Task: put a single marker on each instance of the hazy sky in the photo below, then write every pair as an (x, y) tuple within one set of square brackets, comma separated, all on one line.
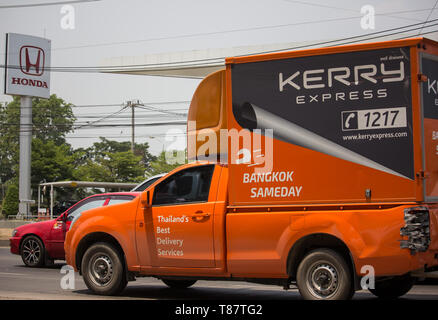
[(110, 28)]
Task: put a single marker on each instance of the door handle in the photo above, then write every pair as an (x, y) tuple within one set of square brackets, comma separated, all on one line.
[(200, 215)]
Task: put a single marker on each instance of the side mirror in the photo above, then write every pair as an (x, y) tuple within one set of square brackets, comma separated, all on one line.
[(146, 199)]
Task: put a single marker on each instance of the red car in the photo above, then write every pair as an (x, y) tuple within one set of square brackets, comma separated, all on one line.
[(41, 243)]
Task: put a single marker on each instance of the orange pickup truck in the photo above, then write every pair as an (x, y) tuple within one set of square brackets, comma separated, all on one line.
[(312, 167)]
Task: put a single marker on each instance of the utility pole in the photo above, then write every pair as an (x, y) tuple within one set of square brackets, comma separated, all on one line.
[(132, 126), (133, 104)]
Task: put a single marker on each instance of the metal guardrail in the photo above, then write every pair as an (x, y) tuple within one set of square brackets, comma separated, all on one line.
[(30, 217)]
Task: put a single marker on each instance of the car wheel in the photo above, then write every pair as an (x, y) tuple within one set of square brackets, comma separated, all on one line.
[(33, 252), (393, 288), (102, 269), (178, 284), (323, 274)]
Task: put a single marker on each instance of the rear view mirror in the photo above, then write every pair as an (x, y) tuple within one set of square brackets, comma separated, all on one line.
[(145, 199)]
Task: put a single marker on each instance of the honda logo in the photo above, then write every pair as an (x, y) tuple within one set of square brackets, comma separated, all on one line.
[(32, 60)]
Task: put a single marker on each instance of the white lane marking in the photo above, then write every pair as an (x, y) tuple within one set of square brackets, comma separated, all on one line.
[(12, 274)]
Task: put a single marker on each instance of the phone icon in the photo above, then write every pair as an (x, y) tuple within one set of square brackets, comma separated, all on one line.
[(349, 120)]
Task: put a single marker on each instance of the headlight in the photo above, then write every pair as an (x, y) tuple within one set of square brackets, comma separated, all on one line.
[(14, 232)]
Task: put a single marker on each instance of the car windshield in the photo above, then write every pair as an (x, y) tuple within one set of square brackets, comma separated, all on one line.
[(146, 184), (86, 205), (120, 199)]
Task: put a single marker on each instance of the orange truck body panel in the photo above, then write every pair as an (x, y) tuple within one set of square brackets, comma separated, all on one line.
[(245, 235)]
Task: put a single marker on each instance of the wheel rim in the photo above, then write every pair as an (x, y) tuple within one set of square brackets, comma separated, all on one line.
[(101, 270), (323, 280), (31, 252)]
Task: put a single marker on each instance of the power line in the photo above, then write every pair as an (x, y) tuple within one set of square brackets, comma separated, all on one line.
[(430, 13), (146, 107), (44, 4), (103, 118), (208, 61), (391, 14), (8, 104), (235, 30), (94, 126), (423, 33), (353, 37)]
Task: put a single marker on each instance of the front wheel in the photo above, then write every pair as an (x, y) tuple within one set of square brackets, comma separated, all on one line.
[(323, 274), (393, 288), (33, 252), (102, 269), (179, 284)]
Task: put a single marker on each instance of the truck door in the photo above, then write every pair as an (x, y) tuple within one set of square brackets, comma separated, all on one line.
[(180, 220)]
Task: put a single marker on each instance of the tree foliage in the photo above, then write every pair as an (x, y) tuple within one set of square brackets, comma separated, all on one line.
[(163, 165), (51, 162), (52, 119), (112, 161), (53, 159), (10, 202)]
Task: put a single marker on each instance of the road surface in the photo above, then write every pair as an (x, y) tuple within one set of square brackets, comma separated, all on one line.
[(20, 282)]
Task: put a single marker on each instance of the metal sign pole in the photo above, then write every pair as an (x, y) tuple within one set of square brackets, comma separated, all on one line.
[(25, 155)]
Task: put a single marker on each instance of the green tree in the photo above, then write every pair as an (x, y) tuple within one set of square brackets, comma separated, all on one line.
[(10, 202), (101, 149), (163, 165), (112, 161), (51, 162), (52, 119)]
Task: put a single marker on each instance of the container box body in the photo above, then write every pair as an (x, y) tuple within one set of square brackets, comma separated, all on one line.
[(349, 124)]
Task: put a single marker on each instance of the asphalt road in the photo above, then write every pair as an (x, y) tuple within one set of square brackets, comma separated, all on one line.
[(20, 282)]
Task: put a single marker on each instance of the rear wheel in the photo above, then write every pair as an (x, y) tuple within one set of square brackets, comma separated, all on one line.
[(102, 269), (323, 274), (33, 252), (179, 284), (393, 288)]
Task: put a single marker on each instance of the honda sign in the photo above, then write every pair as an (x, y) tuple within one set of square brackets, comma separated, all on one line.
[(27, 66)]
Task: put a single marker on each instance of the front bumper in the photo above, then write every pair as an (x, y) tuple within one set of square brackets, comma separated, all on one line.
[(14, 243)]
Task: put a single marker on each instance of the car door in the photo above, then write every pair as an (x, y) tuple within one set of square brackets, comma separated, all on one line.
[(62, 225), (180, 221)]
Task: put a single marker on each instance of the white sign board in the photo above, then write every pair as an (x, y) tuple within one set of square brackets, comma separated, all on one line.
[(27, 66)]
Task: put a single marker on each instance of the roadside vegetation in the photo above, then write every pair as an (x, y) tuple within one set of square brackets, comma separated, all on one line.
[(53, 159)]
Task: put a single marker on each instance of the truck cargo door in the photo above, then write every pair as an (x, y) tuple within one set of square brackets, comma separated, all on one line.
[(429, 102), (181, 220)]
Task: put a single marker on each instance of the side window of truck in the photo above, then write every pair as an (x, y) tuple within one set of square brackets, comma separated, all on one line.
[(190, 185)]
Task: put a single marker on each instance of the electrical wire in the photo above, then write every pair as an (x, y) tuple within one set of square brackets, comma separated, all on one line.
[(214, 61), (235, 30), (45, 4), (430, 13), (391, 14)]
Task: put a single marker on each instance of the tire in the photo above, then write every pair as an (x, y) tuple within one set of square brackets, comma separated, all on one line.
[(178, 284), (33, 252), (103, 270), (323, 274), (393, 288)]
